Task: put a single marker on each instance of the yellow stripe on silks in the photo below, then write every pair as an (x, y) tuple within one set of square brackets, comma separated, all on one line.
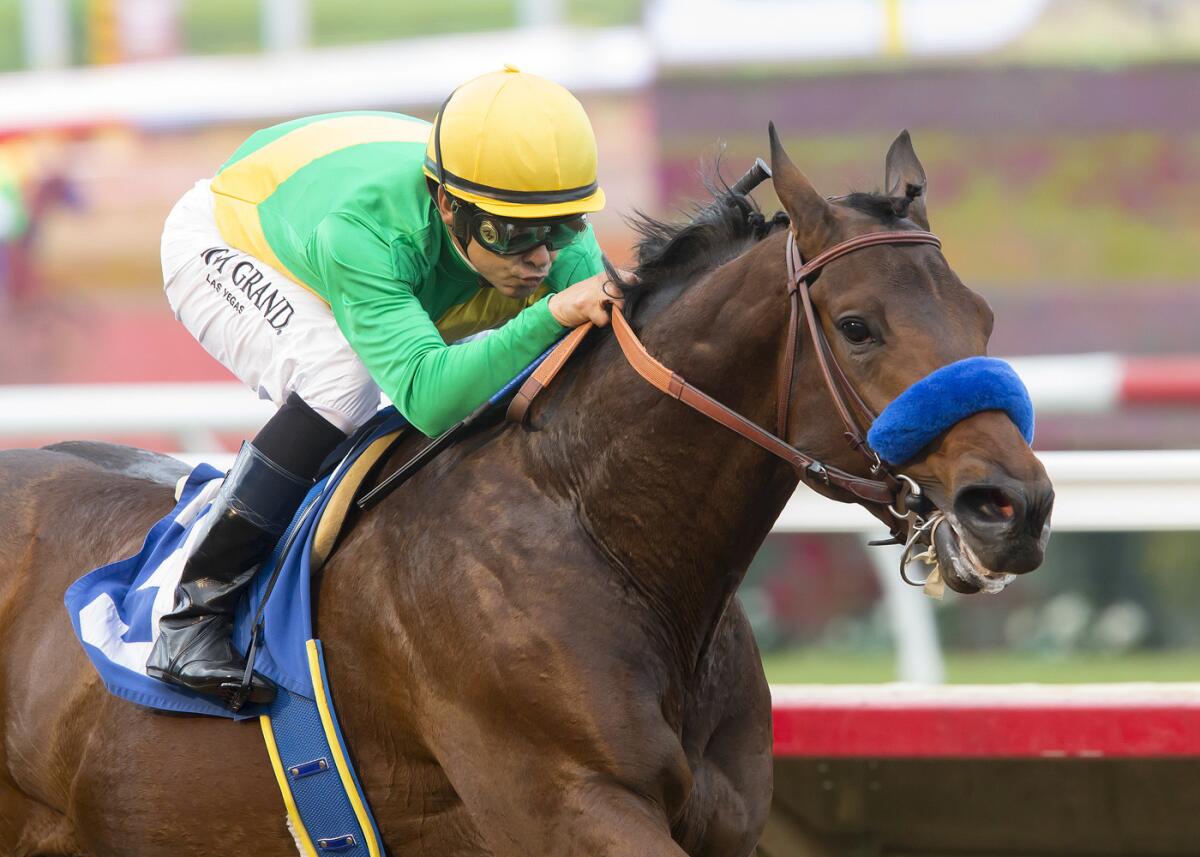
[(256, 176), (243, 185), (334, 513), (302, 837), (486, 309), (335, 747), (239, 224)]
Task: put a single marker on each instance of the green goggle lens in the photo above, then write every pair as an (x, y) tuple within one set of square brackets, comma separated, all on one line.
[(509, 237)]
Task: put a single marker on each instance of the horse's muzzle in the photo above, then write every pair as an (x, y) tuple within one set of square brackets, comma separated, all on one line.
[(1005, 521)]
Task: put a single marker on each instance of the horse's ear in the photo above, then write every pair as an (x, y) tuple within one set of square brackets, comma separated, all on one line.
[(812, 217), (904, 178)]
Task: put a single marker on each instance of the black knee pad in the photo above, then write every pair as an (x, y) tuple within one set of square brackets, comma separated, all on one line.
[(297, 438)]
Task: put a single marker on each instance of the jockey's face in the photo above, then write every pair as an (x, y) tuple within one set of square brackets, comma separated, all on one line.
[(516, 276)]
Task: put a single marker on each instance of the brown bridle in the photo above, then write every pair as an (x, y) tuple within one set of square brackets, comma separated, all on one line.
[(888, 489)]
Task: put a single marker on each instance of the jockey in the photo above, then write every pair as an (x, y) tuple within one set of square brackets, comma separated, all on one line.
[(338, 256)]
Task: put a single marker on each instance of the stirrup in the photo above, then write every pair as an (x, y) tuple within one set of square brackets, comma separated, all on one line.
[(237, 695)]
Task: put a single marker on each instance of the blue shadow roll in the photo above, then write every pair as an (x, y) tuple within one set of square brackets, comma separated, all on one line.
[(944, 397)]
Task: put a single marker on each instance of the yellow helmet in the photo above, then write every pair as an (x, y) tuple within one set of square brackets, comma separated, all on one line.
[(515, 145)]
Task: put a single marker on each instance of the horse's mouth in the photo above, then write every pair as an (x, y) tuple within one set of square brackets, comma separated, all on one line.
[(961, 567)]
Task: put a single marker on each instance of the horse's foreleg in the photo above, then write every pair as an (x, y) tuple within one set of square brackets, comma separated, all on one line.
[(730, 799), (587, 816), (609, 820), (542, 785), (729, 741)]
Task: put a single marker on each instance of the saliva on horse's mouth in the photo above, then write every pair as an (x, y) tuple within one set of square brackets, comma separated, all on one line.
[(961, 567), (951, 558)]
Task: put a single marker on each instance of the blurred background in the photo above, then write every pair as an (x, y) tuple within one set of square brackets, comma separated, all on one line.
[(1062, 143)]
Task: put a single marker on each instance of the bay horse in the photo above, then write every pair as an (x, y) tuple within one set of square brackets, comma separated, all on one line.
[(532, 644)]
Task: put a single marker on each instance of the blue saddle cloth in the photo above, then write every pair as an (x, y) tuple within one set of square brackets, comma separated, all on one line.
[(116, 607)]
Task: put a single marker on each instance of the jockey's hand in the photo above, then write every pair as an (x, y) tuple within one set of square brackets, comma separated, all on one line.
[(589, 300)]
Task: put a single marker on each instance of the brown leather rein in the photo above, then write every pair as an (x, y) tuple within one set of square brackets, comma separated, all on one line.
[(888, 490)]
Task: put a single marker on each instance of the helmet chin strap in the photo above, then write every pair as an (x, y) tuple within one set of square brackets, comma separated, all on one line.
[(460, 228), (460, 232), (462, 254)]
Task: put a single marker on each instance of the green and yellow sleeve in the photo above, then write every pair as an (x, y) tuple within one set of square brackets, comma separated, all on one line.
[(432, 384)]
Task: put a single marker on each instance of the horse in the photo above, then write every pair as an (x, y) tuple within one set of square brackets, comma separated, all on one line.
[(532, 644)]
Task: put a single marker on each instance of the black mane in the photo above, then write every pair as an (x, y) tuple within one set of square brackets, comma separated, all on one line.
[(883, 208), (716, 233), (722, 230)]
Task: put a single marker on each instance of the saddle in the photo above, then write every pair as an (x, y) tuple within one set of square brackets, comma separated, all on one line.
[(333, 519)]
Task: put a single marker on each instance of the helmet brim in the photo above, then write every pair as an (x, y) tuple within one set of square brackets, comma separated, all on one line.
[(528, 211), (594, 202)]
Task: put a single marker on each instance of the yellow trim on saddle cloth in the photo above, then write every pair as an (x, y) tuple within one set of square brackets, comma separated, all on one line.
[(301, 833), (335, 747), (240, 187), (333, 517), (329, 727), (486, 309)]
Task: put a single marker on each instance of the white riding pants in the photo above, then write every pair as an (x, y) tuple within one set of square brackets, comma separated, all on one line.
[(276, 336)]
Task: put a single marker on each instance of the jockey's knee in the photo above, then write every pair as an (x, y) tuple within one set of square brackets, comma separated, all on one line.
[(344, 393), (298, 438)]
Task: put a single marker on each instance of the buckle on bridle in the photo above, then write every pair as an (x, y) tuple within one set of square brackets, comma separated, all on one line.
[(908, 498), (816, 470)]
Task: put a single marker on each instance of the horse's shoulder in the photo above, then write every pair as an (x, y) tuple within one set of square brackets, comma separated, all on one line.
[(125, 460)]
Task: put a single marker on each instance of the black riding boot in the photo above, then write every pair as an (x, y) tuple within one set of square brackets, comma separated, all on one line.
[(254, 506)]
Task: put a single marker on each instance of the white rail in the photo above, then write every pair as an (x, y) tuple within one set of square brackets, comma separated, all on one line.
[(1114, 490), (413, 71), (97, 410), (1074, 383)]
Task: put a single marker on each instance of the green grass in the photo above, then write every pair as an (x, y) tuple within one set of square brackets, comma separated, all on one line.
[(11, 54), (220, 26), (233, 26), (340, 22), (611, 13), (832, 667)]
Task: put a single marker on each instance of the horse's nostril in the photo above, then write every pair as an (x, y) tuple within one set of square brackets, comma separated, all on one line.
[(987, 504), (1001, 503)]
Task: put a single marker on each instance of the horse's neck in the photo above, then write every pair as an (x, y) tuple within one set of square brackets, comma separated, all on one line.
[(678, 503)]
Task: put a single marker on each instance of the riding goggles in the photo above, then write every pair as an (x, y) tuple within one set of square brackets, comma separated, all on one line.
[(511, 237)]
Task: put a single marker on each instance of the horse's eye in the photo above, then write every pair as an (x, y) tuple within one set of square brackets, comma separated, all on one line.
[(854, 330)]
